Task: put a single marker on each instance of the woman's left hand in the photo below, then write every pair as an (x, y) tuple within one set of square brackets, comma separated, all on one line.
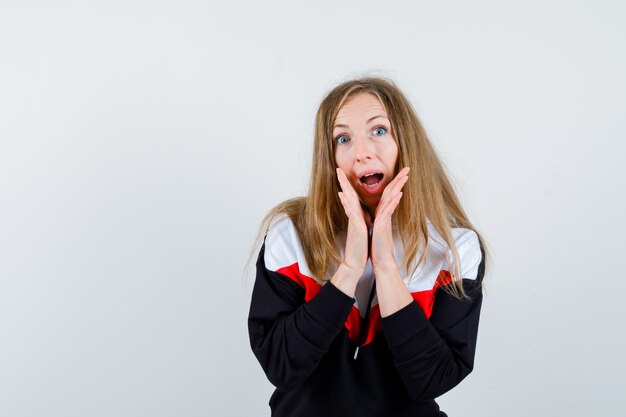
[(381, 252)]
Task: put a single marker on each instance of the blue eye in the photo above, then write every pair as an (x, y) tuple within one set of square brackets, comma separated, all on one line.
[(343, 139), (379, 131)]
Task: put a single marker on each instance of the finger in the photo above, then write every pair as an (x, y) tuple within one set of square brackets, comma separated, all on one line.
[(353, 212), (347, 207), (343, 180), (343, 183), (346, 186), (393, 188), (404, 172), (397, 183), (396, 187), (400, 179), (389, 207)]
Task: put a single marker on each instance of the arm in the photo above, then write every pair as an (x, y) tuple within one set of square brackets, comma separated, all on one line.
[(433, 356), (391, 290), (288, 336)]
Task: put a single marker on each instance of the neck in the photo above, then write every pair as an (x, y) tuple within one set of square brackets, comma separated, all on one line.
[(371, 211)]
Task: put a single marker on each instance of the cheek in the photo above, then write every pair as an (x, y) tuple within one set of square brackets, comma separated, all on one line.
[(341, 161), (393, 155), (389, 155)]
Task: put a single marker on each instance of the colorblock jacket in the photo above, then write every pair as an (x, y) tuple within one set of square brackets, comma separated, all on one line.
[(329, 354)]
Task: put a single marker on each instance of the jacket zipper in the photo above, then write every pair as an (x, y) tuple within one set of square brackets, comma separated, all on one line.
[(365, 327)]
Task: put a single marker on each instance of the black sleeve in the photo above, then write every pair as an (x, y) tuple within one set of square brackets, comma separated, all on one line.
[(433, 356), (289, 336)]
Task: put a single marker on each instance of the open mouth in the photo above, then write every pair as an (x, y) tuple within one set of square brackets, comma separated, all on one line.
[(372, 179)]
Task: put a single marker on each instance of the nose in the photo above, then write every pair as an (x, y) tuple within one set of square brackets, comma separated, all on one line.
[(363, 149)]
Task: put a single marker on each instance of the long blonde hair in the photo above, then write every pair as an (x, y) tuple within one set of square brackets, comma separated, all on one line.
[(428, 194)]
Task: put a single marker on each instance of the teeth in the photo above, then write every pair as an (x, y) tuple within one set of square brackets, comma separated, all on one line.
[(363, 179)]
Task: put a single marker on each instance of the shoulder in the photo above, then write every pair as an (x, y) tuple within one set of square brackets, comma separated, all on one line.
[(282, 245), (468, 247)]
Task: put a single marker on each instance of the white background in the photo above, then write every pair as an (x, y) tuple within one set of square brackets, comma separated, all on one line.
[(143, 141)]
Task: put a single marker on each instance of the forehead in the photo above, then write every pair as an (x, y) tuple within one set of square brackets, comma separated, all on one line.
[(360, 106)]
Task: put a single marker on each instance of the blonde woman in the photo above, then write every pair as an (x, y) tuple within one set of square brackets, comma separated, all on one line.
[(368, 290)]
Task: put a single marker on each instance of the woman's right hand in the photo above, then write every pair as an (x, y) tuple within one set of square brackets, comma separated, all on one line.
[(357, 239)]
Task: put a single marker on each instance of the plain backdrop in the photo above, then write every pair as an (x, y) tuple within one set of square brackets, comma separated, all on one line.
[(143, 141)]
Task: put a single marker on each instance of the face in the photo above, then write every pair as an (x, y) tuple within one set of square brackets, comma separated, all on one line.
[(364, 146)]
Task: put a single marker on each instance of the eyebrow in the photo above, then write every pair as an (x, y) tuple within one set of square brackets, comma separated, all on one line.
[(369, 120)]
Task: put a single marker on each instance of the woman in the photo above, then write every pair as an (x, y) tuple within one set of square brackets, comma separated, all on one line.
[(368, 290)]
